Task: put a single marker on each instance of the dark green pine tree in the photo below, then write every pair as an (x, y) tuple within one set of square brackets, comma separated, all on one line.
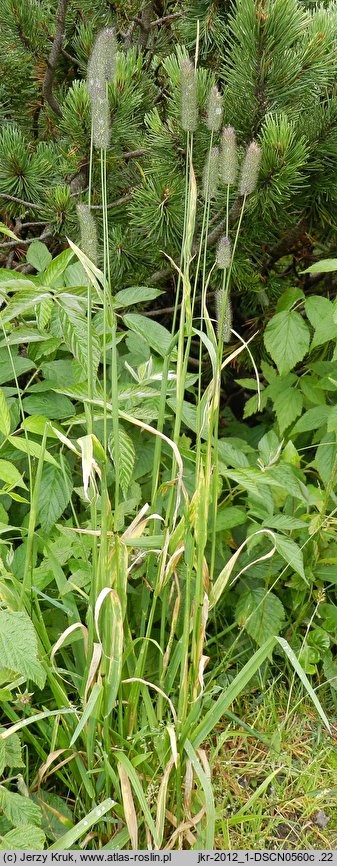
[(276, 64)]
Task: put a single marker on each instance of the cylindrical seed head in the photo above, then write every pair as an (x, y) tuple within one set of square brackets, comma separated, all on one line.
[(225, 315), (211, 175), (189, 101), (223, 253), (102, 62), (100, 116), (88, 241), (250, 169), (214, 110), (228, 156)]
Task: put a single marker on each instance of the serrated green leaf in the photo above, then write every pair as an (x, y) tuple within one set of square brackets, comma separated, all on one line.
[(54, 406), (261, 613), (76, 339), (127, 457), (320, 313), (289, 298), (21, 365), (326, 571), (56, 816), (26, 838), (135, 295), (325, 266), (38, 255), (157, 337), (291, 552), (43, 313), (5, 418), (284, 522), (312, 419), (13, 757), (37, 423), (288, 404), (252, 405), (55, 493), (32, 448), (21, 303), (227, 518), (21, 335), (18, 646), (325, 457), (287, 479), (230, 455), (10, 474), (56, 268), (330, 671), (287, 339), (18, 809)]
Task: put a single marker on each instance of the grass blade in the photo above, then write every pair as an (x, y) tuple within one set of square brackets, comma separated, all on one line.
[(63, 843), (212, 717)]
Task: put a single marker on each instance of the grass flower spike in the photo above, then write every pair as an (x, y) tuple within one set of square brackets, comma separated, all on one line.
[(211, 175), (223, 253), (189, 102), (250, 169), (228, 162), (214, 110), (88, 243)]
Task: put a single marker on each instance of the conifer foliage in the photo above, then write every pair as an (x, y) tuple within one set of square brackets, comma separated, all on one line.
[(275, 64)]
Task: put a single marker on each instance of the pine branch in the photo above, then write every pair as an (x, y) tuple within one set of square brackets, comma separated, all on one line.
[(47, 87), (117, 203), (132, 154), (145, 24), (166, 19), (19, 242), (286, 242), (29, 204)]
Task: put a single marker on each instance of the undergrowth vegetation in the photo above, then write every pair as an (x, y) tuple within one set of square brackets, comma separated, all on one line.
[(159, 555)]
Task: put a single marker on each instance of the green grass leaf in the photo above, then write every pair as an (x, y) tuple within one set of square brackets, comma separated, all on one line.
[(304, 679), (211, 718), (63, 843), (89, 712), (139, 792), (208, 842)]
